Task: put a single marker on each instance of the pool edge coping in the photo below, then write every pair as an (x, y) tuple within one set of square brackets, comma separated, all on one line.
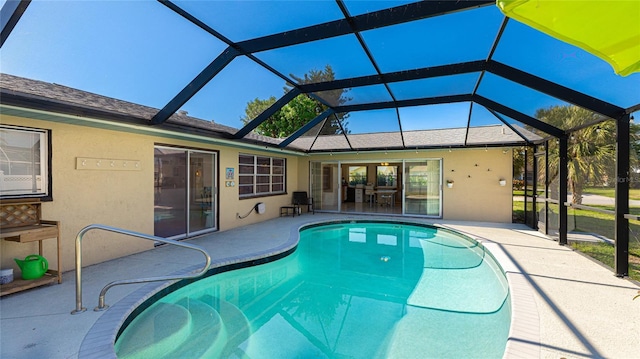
[(523, 340), (524, 332), (99, 342)]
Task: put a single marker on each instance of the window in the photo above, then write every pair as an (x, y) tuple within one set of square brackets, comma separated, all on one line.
[(24, 162), (387, 176), (357, 175), (260, 175)]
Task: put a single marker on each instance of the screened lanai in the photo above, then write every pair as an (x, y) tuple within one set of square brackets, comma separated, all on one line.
[(383, 75)]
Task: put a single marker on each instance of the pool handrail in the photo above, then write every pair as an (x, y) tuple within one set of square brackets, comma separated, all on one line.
[(101, 305)]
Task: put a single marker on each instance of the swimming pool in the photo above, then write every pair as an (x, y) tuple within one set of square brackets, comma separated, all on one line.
[(350, 289)]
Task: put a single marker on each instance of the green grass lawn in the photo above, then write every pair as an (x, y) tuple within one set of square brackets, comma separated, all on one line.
[(602, 224), (605, 254), (634, 193)]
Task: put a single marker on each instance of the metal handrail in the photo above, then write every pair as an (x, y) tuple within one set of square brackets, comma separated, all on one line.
[(103, 292), (589, 208)]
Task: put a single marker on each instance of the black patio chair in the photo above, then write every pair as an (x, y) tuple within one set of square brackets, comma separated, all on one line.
[(302, 199)]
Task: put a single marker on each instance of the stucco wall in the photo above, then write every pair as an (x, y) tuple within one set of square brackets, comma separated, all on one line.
[(123, 199), (83, 197)]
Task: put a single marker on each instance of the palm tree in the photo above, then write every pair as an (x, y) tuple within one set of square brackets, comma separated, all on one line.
[(591, 150)]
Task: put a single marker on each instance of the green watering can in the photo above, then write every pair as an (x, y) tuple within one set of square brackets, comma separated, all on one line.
[(33, 266)]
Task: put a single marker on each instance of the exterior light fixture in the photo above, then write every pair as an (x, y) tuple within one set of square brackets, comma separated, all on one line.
[(502, 182)]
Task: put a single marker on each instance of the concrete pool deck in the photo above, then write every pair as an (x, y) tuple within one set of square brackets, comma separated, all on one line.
[(570, 306)]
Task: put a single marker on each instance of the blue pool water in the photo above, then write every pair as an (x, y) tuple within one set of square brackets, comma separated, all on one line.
[(350, 290)]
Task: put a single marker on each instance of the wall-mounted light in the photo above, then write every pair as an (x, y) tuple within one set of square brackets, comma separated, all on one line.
[(502, 182)]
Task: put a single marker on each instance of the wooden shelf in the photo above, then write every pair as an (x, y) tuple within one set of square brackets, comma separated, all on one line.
[(19, 285), (20, 222), (30, 233)]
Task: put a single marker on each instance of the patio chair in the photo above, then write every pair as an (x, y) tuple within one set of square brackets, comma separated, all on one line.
[(370, 193), (302, 199)]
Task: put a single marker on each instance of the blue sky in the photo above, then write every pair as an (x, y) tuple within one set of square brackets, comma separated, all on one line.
[(142, 52)]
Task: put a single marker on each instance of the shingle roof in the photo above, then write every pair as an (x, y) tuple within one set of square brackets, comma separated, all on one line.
[(33, 93), (493, 135), (49, 96)]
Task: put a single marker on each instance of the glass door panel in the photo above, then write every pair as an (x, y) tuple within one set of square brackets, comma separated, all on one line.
[(422, 188), (325, 187), (315, 174), (201, 191), (331, 187), (170, 194), (184, 192)]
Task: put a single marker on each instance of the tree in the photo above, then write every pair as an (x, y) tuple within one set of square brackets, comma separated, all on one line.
[(301, 109), (591, 151)]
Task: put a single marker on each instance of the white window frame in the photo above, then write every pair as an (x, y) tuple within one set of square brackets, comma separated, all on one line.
[(19, 176), (261, 178)]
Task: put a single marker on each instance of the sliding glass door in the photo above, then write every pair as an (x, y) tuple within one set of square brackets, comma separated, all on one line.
[(201, 191), (415, 183), (184, 192), (325, 187), (423, 189)]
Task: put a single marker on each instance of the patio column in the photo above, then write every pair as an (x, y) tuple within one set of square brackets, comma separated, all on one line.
[(531, 153), (563, 177), (547, 192), (622, 197)]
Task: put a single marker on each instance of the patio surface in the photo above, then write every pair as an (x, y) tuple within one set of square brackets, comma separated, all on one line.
[(570, 305)]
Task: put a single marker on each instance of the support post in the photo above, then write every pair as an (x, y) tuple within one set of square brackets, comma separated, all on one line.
[(622, 197), (547, 192), (563, 176), (531, 153)]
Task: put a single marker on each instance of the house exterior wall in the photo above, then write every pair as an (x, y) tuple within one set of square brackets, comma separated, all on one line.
[(123, 199), (476, 194)]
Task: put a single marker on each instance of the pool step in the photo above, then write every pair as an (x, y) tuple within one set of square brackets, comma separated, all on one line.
[(207, 327), (235, 322), (155, 332), (208, 335)]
